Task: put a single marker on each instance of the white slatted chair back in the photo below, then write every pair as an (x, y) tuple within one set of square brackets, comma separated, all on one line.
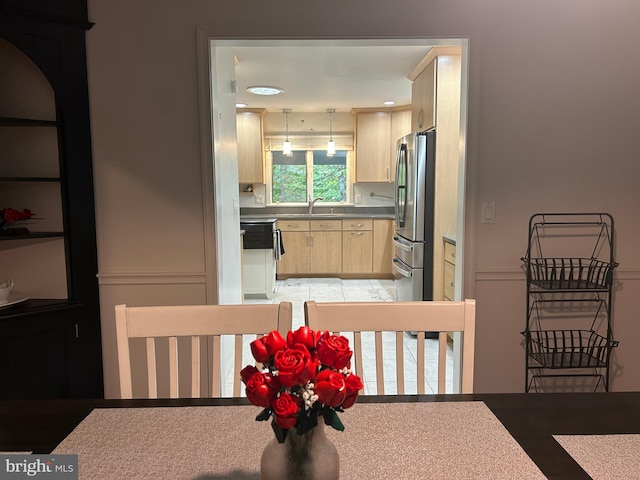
[(400, 318)]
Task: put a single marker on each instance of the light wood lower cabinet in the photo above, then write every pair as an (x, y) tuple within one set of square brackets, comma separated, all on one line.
[(357, 246), (295, 238), (449, 271), (360, 246), (325, 246), (383, 246)]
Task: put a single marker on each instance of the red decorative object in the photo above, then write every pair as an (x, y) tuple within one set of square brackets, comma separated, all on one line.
[(10, 215), (303, 377)]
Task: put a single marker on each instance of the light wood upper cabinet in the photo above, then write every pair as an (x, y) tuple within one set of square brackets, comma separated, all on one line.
[(373, 159), (250, 145), (400, 126), (423, 99), (376, 135)]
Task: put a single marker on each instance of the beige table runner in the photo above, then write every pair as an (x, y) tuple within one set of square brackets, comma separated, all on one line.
[(381, 441), (605, 457)]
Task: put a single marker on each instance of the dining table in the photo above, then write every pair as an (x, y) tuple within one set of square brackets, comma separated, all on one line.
[(474, 436)]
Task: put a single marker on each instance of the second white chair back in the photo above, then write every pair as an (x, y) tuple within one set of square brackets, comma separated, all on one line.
[(401, 317)]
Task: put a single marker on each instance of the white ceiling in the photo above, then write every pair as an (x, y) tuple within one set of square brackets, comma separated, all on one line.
[(320, 74)]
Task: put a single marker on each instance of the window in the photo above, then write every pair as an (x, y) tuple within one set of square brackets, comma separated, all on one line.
[(309, 174)]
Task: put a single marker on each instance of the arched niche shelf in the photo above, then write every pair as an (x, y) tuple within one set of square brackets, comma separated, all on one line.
[(50, 344)]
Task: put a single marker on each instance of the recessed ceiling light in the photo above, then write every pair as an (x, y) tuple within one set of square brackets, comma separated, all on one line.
[(264, 90), (389, 102), (241, 105)]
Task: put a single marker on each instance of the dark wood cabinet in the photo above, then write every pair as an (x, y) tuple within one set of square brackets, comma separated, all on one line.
[(50, 342)]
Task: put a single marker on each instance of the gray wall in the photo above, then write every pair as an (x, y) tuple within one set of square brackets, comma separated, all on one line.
[(553, 115)]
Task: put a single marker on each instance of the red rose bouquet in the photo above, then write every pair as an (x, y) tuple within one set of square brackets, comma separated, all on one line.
[(304, 376)]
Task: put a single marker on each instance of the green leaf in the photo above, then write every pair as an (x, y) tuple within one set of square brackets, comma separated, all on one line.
[(331, 418), (281, 433)]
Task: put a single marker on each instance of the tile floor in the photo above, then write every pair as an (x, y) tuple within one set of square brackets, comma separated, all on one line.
[(299, 290)]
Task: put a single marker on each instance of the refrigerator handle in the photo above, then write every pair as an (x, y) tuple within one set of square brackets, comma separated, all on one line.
[(401, 185), (397, 266), (402, 244)]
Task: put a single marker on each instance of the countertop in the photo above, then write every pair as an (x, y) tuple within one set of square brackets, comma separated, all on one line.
[(450, 238), (315, 216), (319, 213)]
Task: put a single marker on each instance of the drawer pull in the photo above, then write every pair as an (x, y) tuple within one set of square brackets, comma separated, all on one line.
[(357, 234), (297, 225), (357, 225)]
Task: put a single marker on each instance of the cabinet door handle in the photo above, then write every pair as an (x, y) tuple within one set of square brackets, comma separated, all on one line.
[(311, 238), (388, 174)]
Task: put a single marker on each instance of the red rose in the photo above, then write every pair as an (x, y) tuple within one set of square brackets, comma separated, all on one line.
[(262, 389), (354, 385), (294, 365), (331, 388), (246, 373), (285, 410), (264, 348), (303, 335), (334, 351)]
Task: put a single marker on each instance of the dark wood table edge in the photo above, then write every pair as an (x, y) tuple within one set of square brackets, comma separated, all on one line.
[(532, 419)]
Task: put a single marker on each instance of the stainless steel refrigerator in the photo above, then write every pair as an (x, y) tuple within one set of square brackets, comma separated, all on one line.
[(414, 209)]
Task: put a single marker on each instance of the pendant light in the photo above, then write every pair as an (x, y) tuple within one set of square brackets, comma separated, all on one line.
[(286, 146), (331, 146)]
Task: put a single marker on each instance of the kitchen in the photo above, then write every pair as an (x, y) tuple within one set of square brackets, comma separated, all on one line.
[(350, 236)]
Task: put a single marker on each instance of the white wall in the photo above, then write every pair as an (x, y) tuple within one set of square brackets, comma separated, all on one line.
[(552, 126)]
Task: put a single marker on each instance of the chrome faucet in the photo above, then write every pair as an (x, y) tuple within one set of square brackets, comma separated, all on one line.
[(312, 202)]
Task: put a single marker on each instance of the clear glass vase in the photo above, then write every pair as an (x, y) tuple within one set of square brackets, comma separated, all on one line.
[(310, 456)]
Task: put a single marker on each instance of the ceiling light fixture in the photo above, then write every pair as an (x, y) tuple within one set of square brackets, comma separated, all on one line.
[(241, 105), (286, 146), (389, 102), (331, 146), (264, 90)]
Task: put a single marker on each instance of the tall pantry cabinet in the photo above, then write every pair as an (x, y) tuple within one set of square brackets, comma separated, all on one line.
[(435, 103), (50, 344)]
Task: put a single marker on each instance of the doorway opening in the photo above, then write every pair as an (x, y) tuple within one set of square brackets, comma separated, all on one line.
[(222, 62)]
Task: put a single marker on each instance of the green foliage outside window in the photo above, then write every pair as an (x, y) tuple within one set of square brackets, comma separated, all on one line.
[(289, 177), (330, 176)]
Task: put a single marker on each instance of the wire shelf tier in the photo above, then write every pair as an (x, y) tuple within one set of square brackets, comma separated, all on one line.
[(569, 348), (569, 273)]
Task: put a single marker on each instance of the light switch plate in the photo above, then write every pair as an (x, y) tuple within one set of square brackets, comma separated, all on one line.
[(488, 213)]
